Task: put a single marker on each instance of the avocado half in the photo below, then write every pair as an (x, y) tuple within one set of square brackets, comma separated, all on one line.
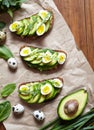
[(72, 105)]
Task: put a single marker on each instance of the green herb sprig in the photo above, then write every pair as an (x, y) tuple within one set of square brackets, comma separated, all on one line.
[(83, 122), (10, 5)]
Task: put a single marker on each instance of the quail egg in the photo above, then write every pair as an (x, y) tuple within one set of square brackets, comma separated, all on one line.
[(18, 109), (46, 89), (12, 63), (25, 51), (39, 115), (2, 37)]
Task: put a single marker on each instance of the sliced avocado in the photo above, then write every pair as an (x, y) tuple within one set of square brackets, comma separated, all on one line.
[(25, 97), (41, 99), (30, 58), (54, 59), (36, 61), (57, 91), (33, 29), (39, 20), (21, 28), (47, 25), (34, 99), (26, 28), (72, 105), (50, 96), (33, 19)]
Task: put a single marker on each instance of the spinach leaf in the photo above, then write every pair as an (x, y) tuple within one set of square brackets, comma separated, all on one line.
[(5, 53), (7, 5), (8, 89), (5, 109), (2, 25)]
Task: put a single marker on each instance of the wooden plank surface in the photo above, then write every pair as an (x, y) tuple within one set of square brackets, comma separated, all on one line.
[(79, 15)]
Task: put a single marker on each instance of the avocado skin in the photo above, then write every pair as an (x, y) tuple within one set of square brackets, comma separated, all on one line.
[(79, 93)]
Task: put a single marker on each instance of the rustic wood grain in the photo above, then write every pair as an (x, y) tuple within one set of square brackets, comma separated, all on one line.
[(79, 15)]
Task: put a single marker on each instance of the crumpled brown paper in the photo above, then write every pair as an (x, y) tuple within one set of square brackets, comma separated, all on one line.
[(76, 72)]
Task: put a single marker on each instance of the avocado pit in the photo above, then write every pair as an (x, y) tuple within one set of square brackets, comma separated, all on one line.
[(71, 107)]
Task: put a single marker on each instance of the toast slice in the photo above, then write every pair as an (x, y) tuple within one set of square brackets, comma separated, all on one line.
[(40, 91), (34, 26), (42, 59)]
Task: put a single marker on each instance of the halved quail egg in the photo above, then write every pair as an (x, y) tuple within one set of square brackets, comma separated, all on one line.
[(44, 14), (47, 57), (41, 29), (24, 89), (57, 83), (61, 58), (14, 26), (25, 51), (46, 89)]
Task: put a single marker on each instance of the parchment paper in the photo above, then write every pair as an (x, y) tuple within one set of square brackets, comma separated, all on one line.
[(76, 72)]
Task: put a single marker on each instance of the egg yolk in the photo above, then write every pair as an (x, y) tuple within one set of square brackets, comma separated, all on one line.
[(47, 58), (41, 29), (25, 52), (61, 58), (24, 88), (44, 14), (46, 89), (14, 26)]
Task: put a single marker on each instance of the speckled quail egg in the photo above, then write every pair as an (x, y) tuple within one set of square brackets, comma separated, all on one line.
[(2, 37), (18, 109), (12, 63), (39, 115)]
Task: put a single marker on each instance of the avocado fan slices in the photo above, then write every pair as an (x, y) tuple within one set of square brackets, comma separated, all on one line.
[(34, 26), (42, 59), (40, 91)]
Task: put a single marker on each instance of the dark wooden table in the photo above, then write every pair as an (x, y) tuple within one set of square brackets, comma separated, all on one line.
[(79, 15)]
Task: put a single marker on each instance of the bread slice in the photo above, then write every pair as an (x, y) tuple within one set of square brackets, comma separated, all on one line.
[(42, 59), (34, 26), (32, 92)]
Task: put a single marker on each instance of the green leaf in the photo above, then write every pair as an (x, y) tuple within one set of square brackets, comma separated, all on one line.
[(10, 5), (6, 3), (2, 25), (5, 109), (5, 53), (9, 11), (8, 89)]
